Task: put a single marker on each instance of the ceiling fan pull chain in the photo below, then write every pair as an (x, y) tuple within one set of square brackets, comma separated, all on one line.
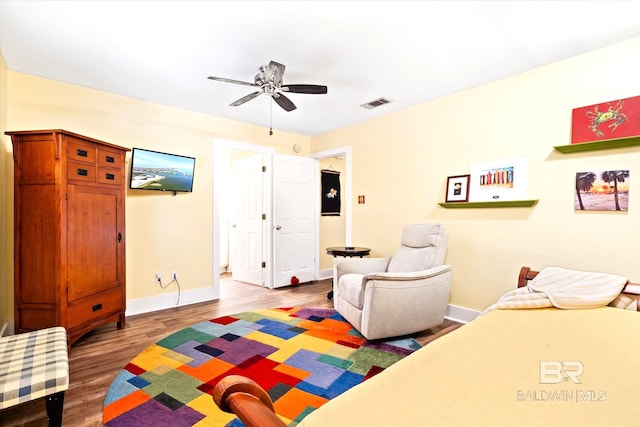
[(270, 118)]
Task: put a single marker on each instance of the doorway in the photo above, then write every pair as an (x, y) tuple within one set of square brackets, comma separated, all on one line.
[(223, 189), (332, 230), (265, 217)]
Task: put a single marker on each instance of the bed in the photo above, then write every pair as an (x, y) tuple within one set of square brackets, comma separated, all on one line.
[(545, 367)]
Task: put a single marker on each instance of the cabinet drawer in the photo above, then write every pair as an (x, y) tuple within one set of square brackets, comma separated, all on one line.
[(109, 176), (81, 152), (95, 307), (81, 172), (109, 159)]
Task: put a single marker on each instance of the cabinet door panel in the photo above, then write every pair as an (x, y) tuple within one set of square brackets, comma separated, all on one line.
[(94, 249), (37, 150), (38, 253)]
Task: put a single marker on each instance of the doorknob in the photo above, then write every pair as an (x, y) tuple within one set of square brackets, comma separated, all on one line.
[(233, 226), (278, 227)]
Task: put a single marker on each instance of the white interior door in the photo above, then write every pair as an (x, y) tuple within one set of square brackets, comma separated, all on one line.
[(246, 236), (294, 204)]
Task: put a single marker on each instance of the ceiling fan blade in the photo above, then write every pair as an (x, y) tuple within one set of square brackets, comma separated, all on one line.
[(284, 102), (245, 99), (313, 89), (274, 72), (222, 79)]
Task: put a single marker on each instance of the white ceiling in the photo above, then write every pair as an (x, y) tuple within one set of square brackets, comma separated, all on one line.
[(409, 52)]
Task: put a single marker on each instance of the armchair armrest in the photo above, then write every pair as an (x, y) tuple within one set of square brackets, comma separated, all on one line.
[(361, 265), (414, 275), (343, 266), (395, 304), (430, 275)]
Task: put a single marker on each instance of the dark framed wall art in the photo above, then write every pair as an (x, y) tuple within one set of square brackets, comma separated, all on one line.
[(457, 188)]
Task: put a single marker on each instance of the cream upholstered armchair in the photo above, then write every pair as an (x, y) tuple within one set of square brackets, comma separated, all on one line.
[(398, 295)]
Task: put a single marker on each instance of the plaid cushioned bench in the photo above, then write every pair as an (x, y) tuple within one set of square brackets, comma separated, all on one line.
[(34, 365)]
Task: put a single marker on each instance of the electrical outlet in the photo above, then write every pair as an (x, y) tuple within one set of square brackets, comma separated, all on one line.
[(174, 275), (159, 277)]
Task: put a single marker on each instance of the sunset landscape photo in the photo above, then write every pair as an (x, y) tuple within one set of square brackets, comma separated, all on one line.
[(602, 191)]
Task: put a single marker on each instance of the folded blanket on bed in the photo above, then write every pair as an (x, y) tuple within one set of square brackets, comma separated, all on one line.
[(563, 288)]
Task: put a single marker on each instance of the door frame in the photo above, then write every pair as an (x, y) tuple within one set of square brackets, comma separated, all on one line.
[(221, 149), (346, 190)]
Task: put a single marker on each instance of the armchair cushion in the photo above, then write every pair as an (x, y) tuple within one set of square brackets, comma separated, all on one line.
[(423, 246), (421, 235), (407, 259)]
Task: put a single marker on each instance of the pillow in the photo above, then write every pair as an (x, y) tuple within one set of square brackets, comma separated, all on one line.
[(420, 235), (407, 260)]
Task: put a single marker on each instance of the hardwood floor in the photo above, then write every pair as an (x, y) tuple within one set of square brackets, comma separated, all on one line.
[(97, 357)]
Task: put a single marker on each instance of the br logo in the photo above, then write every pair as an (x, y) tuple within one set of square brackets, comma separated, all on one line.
[(556, 371)]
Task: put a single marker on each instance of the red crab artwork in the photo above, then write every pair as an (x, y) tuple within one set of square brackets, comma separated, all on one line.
[(609, 120)]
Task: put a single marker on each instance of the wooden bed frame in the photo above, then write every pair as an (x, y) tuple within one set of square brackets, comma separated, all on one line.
[(245, 398)]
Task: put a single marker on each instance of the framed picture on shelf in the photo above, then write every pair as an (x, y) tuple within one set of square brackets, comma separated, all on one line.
[(498, 180), (457, 188)]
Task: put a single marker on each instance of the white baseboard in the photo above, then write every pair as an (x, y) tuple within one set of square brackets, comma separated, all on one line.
[(325, 274), (461, 314), (162, 302), (7, 327)]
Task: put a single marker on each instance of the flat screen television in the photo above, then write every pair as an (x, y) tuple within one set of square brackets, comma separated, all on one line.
[(153, 170)]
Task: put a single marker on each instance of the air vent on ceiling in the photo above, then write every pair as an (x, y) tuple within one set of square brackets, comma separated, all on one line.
[(375, 103)]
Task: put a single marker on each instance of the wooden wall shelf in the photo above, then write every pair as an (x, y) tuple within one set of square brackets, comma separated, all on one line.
[(598, 145), (502, 204)]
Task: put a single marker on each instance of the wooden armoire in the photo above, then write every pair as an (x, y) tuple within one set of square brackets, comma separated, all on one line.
[(69, 232)]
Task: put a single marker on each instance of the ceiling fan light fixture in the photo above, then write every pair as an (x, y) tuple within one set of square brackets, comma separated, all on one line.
[(269, 81), (375, 103)]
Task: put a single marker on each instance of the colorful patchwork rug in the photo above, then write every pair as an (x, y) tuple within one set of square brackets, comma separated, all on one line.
[(302, 357)]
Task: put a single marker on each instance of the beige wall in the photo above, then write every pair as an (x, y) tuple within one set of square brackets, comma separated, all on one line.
[(401, 161), (164, 233)]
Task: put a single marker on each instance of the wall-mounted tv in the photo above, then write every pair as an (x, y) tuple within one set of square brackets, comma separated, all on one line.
[(153, 170)]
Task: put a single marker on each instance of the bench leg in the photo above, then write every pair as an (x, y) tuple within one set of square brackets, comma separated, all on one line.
[(54, 403)]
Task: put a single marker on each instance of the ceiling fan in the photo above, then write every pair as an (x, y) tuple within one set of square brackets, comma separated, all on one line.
[(269, 80)]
